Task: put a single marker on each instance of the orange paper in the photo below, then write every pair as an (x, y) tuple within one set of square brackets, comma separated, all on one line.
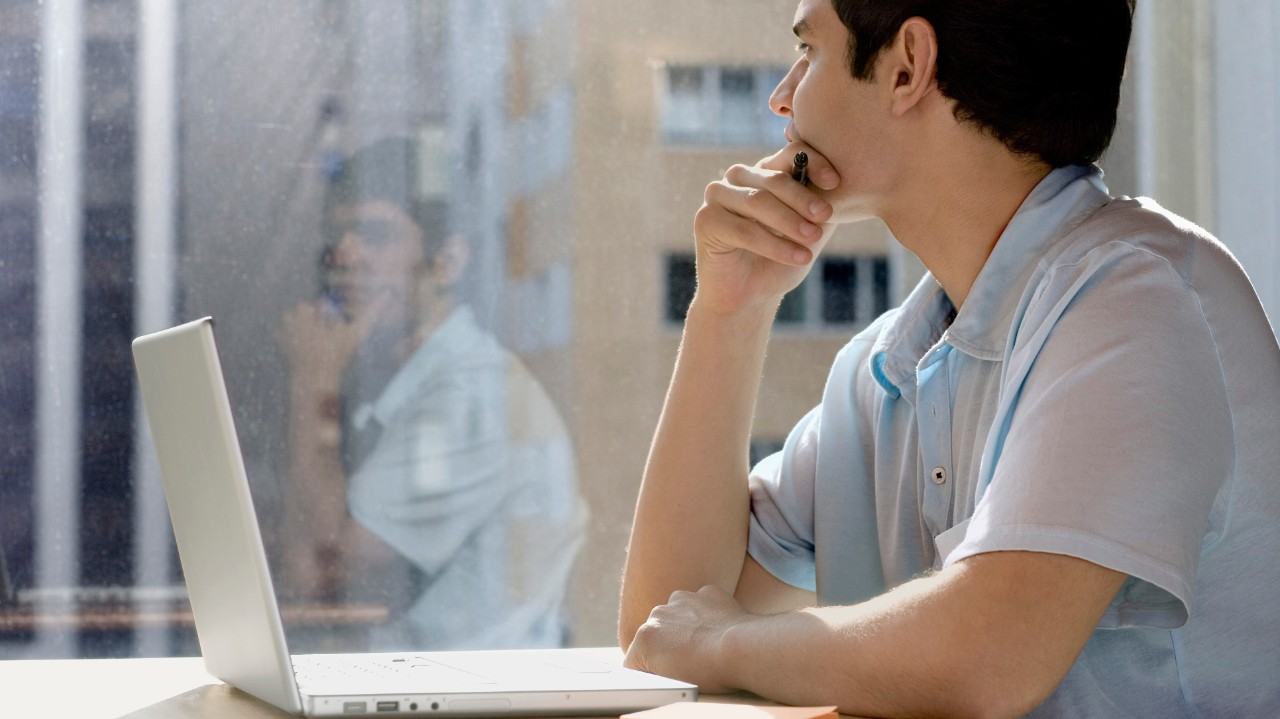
[(713, 710)]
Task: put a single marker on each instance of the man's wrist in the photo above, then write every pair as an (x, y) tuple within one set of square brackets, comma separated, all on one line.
[(748, 327), (736, 648), (762, 311)]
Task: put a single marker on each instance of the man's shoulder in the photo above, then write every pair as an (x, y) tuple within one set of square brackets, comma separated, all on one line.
[(1140, 222), (1128, 228)]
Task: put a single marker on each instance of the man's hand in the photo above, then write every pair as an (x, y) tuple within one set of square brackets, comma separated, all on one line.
[(682, 638), (318, 346), (759, 230)]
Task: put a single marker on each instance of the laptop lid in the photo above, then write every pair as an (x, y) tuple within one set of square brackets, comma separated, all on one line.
[(233, 601), (215, 526)]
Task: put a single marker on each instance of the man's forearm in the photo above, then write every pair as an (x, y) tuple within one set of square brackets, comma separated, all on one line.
[(690, 525), (991, 636), (316, 509), (883, 658)]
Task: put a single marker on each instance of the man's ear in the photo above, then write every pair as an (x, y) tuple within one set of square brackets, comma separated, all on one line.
[(451, 260), (912, 65)]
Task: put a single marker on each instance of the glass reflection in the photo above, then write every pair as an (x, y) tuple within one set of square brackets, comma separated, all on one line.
[(428, 470)]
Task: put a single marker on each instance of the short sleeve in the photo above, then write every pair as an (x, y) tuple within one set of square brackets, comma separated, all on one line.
[(781, 535), (1118, 435), (440, 469)]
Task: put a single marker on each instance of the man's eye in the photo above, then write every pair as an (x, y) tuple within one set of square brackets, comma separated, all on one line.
[(802, 47), (374, 232)]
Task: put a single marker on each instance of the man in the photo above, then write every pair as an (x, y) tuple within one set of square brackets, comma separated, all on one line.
[(427, 468), (1046, 483)]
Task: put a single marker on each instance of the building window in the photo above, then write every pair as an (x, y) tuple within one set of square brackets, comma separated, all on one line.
[(841, 291), (681, 282), (720, 105), (763, 447)]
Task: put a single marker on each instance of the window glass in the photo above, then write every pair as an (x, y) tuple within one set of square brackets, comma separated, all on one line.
[(839, 290), (720, 105), (685, 113), (738, 106), (19, 85), (447, 244), (681, 283)]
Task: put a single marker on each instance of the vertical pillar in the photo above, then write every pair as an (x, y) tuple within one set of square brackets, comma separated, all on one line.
[(59, 296), (155, 268)]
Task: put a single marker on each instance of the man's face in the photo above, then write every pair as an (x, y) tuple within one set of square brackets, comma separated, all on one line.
[(376, 252), (839, 116)]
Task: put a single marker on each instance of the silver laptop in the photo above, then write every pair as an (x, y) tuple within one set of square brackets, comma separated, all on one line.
[(234, 605)]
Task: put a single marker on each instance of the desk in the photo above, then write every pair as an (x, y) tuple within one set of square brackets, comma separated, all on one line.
[(99, 688), (177, 688)]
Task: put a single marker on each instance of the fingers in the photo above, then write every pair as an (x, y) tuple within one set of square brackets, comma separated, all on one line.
[(822, 174), (764, 212)]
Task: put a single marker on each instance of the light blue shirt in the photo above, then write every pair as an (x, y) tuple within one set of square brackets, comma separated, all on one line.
[(1110, 390), (472, 480)]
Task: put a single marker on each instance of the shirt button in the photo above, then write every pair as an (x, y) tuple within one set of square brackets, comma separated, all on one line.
[(939, 475)]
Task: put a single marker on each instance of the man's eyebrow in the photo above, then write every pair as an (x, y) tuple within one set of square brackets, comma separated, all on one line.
[(801, 27)]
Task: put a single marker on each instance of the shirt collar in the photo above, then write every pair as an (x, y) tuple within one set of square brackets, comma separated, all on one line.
[(919, 324), (1063, 199), (455, 334)]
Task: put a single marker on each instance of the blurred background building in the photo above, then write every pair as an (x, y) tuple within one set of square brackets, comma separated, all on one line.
[(162, 161)]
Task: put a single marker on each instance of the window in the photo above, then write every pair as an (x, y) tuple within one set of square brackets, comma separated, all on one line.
[(681, 284), (841, 292), (163, 161), (761, 448), (720, 105)]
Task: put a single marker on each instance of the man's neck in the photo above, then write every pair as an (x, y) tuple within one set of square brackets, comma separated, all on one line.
[(430, 318), (952, 219)]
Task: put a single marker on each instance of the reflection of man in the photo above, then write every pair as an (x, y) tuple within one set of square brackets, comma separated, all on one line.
[(1047, 483), (427, 468)]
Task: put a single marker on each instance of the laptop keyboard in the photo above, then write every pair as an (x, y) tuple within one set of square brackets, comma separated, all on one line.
[(322, 670)]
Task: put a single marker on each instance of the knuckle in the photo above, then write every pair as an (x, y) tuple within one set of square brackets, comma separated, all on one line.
[(702, 217), (736, 172), (710, 190)]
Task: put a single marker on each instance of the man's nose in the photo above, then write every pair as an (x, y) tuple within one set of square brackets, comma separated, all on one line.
[(347, 251), (780, 100)]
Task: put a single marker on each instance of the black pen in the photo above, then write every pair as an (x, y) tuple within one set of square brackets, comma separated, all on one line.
[(800, 168)]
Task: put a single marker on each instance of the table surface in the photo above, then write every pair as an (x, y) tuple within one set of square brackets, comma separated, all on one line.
[(172, 688)]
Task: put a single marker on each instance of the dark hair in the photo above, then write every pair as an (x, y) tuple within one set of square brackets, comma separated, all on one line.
[(390, 170), (1042, 76)]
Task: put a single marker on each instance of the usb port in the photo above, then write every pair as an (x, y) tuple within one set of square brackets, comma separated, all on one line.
[(388, 706), (355, 707)]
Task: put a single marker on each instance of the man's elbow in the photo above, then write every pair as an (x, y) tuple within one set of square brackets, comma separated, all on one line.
[(629, 621), (997, 695), (626, 633)]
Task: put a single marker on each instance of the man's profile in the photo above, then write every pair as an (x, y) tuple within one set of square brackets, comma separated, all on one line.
[(1042, 486)]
